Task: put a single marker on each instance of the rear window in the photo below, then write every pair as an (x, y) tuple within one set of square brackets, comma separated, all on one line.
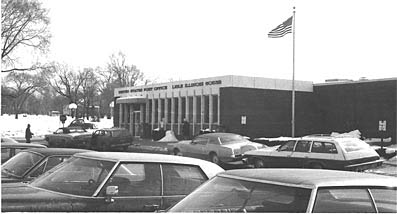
[(231, 139), (353, 144)]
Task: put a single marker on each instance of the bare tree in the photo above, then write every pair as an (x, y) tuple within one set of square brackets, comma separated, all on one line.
[(65, 81), (24, 24), (122, 73), (18, 87), (89, 88)]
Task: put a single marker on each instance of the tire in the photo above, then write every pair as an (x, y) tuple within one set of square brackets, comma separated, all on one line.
[(259, 163), (214, 158), (177, 152)]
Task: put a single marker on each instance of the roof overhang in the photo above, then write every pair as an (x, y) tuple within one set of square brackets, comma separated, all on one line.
[(132, 99)]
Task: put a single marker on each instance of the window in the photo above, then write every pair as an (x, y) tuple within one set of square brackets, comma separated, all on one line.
[(214, 141), (181, 180), (343, 200), (233, 195), (288, 146), (47, 165), (136, 179), (351, 145), (5, 154), (302, 146), (385, 200), (324, 147), (200, 140)]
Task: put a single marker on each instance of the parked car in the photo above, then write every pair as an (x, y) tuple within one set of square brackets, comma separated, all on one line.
[(293, 190), (111, 138), (31, 163), (11, 148), (217, 147), (8, 139), (69, 137), (109, 182), (317, 152), (389, 167), (81, 123)]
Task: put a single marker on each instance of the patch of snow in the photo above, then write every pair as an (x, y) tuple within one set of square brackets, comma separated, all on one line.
[(40, 125)]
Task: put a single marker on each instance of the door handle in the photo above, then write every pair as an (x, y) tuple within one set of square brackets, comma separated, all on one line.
[(151, 207)]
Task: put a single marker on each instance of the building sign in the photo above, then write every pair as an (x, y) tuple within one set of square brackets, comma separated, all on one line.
[(175, 86), (382, 125), (243, 120)]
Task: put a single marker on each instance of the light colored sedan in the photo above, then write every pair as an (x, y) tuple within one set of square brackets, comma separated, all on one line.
[(216, 147), (293, 191), (110, 182)]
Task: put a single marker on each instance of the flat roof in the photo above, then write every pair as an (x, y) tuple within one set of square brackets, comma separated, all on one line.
[(343, 82)]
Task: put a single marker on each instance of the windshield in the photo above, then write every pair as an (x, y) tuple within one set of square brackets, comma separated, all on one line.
[(231, 139), (233, 195), (353, 144), (78, 176), (21, 163)]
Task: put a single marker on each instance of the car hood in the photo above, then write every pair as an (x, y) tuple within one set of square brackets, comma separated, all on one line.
[(8, 178)]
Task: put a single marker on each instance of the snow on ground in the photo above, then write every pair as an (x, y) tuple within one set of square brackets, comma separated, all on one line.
[(39, 125)]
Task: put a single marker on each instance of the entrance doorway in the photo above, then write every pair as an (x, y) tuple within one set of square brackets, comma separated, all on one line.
[(136, 130)]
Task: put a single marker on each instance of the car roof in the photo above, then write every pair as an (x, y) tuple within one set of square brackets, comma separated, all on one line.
[(146, 157), (311, 178), (210, 169), (328, 138), (56, 151), (112, 129), (21, 145), (217, 134)]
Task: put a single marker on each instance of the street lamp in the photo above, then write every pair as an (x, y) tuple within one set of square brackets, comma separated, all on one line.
[(72, 107)]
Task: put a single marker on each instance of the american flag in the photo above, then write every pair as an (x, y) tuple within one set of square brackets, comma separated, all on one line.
[(282, 29)]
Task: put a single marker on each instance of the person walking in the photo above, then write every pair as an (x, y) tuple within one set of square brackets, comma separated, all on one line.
[(28, 134), (185, 129)]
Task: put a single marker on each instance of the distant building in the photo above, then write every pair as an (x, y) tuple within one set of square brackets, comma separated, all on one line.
[(260, 107)]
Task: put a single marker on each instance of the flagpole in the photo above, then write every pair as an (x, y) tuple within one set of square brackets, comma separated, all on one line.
[(293, 76)]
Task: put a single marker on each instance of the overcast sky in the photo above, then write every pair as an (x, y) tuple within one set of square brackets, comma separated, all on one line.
[(188, 39)]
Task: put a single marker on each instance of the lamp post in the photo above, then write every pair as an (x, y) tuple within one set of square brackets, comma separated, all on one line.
[(72, 107)]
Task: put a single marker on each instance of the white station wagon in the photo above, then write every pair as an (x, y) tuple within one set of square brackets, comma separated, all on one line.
[(341, 153)]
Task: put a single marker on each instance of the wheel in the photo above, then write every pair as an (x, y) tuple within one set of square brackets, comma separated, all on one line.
[(258, 163), (315, 166), (177, 152), (214, 158)]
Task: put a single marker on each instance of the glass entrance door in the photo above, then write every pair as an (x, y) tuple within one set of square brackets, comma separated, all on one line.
[(137, 123)]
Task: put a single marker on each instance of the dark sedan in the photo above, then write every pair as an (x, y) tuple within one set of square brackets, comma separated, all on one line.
[(109, 182), (31, 163), (10, 148)]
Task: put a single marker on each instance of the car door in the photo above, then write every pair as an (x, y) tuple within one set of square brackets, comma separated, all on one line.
[(282, 156), (300, 156), (139, 188), (179, 181), (197, 147)]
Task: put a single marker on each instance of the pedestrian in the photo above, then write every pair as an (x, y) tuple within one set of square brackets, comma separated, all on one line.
[(28, 134), (185, 129)]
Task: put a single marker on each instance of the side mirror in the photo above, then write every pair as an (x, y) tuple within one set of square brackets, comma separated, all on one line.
[(110, 192)]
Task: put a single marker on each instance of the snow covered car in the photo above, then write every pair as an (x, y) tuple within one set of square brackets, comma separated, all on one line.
[(342, 153), (109, 182), (69, 137), (30, 163), (292, 191), (216, 147), (9, 148), (81, 123)]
